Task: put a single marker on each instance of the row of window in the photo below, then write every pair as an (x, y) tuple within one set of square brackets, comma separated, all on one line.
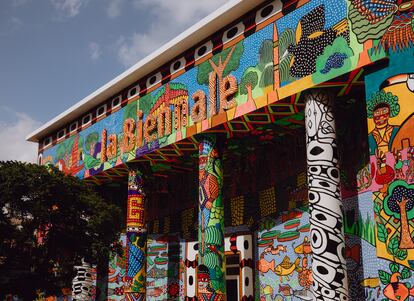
[(206, 48)]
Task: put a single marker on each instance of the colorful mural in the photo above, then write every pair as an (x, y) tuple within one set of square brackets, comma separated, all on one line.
[(307, 45), (238, 78), (325, 203), (117, 273), (314, 39), (163, 281), (136, 234), (391, 140), (84, 283), (285, 256), (211, 261), (370, 234)]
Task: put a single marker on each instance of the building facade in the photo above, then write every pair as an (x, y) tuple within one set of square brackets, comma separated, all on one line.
[(264, 154)]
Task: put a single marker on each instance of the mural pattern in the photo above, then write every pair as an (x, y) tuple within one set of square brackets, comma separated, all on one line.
[(190, 264), (285, 256), (163, 268), (117, 274), (306, 44), (390, 94), (136, 239), (312, 42), (224, 86), (243, 246), (84, 283), (326, 218), (211, 260)]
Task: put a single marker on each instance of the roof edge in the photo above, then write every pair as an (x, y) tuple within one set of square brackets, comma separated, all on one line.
[(193, 35)]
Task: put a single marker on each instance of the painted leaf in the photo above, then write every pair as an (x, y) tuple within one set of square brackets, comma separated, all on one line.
[(408, 284), (215, 284), (382, 232), (384, 277), (394, 267), (377, 208), (406, 273), (393, 246), (401, 254)]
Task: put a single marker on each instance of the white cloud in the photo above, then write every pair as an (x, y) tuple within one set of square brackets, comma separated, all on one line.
[(131, 49), (68, 8), (95, 51), (179, 11), (169, 19), (114, 7), (13, 135)]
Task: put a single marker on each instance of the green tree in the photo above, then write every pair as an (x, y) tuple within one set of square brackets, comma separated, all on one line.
[(266, 63), (145, 103), (222, 64), (130, 111), (399, 204), (91, 141), (249, 82), (48, 223)]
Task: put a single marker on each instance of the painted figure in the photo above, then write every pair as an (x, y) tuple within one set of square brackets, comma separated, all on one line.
[(381, 107)]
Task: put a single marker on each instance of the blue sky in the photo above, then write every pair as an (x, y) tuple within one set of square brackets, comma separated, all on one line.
[(53, 53)]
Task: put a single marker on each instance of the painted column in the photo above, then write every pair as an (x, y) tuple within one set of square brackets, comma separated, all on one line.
[(83, 283), (211, 260), (330, 281), (136, 239)]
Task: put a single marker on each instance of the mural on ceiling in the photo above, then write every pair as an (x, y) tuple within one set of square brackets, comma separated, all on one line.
[(390, 93), (284, 263), (226, 85)]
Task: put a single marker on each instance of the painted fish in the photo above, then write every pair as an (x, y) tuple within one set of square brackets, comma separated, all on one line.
[(286, 268), (396, 291), (371, 282), (286, 290), (275, 250), (304, 294), (264, 266), (304, 248), (155, 292)]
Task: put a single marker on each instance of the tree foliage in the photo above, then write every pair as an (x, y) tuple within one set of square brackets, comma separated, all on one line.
[(249, 79), (205, 68), (48, 223), (265, 64)]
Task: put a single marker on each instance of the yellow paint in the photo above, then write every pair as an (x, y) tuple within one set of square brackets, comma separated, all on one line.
[(315, 34), (370, 282)]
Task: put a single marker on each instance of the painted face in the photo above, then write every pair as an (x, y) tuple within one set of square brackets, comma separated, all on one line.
[(381, 116), (203, 280)]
